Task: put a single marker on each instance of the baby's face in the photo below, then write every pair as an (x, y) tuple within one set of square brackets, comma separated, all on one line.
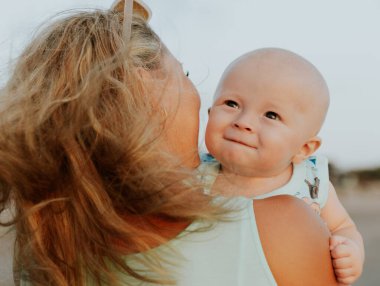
[(259, 121)]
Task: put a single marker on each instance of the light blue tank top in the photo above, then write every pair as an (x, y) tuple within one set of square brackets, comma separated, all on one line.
[(309, 181)]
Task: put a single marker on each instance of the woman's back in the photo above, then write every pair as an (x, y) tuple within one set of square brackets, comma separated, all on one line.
[(276, 241), (232, 252), (227, 253)]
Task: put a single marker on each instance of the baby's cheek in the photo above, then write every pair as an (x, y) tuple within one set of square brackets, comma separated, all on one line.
[(279, 143), (275, 160), (209, 140)]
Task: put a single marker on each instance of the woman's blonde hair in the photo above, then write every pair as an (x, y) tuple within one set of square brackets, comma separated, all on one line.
[(79, 149)]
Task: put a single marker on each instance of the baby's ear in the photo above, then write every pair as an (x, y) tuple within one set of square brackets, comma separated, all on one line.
[(307, 149)]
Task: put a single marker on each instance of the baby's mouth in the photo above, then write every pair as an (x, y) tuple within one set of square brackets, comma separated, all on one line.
[(241, 142)]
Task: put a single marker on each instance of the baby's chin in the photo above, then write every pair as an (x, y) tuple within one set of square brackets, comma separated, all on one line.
[(239, 170), (242, 166)]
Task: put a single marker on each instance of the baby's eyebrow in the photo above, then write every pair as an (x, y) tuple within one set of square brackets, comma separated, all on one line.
[(228, 93)]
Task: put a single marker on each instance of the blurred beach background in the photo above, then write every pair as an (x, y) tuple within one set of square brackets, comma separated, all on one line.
[(363, 206), (359, 191), (339, 37)]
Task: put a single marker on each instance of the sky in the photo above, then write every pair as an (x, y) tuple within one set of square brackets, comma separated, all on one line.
[(340, 37)]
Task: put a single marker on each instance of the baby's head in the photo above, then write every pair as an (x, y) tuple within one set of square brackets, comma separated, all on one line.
[(268, 109)]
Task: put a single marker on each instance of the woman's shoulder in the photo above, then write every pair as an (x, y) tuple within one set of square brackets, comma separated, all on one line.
[(295, 241)]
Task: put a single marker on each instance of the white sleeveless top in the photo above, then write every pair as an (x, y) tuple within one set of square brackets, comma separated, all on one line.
[(228, 254)]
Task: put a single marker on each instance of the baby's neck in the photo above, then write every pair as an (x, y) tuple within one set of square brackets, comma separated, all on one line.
[(230, 184)]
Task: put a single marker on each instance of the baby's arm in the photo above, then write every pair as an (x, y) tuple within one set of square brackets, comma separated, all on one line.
[(346, 243)]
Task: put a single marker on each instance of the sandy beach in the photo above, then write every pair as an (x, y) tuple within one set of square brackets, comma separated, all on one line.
[(364, 207)]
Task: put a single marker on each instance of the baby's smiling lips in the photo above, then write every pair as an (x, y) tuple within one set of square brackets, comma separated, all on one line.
[(240, 142)]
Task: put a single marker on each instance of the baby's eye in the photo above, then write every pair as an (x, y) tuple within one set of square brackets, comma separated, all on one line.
[(272, 115), (187, 73), (231, 103)]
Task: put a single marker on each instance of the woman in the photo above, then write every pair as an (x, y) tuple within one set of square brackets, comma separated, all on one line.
[(98, 140)]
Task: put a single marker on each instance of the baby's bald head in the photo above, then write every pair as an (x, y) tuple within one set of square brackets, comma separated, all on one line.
[(284, 74)]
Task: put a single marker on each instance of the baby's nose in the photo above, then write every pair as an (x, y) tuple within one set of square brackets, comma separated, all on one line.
[(247, 121), (241, 125)]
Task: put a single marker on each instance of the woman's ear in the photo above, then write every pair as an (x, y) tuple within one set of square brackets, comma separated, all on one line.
[(145, 75), (307, 149), (148, 78)]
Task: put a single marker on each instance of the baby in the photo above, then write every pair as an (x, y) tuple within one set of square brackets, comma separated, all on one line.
[(268, 109)]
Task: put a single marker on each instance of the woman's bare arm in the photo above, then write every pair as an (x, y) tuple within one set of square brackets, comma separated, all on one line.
[(295, 242)]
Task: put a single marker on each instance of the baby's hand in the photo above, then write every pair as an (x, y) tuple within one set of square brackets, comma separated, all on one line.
[(346, 258)]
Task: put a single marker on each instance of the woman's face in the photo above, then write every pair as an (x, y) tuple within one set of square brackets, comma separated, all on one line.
[(180, 101)]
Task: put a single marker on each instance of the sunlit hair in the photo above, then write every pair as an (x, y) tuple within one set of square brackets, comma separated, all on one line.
[(80, 150)]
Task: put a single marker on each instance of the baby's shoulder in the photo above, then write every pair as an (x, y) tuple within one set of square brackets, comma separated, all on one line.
[(316, 162), (207, 158), (313, 176), (208, 170)]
